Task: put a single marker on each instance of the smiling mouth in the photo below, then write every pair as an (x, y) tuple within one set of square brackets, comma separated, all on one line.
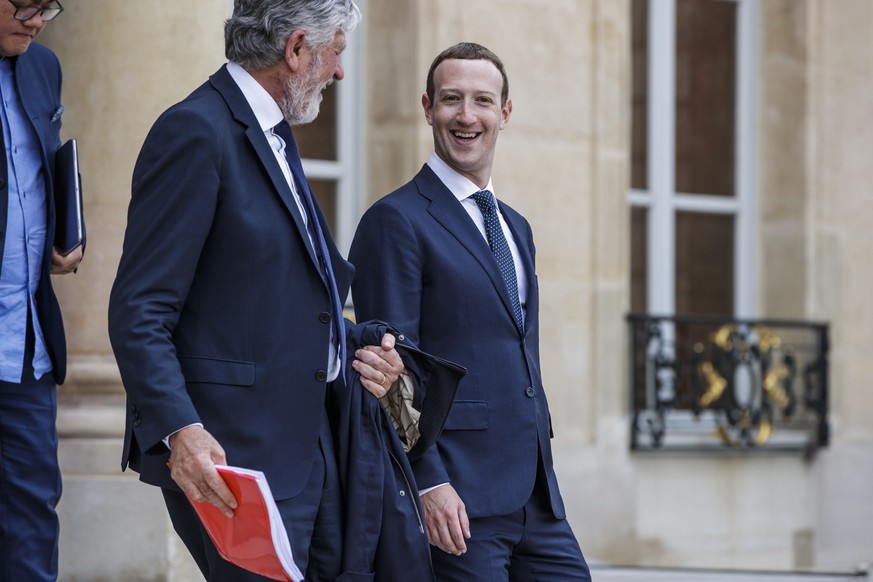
[(465, 135)]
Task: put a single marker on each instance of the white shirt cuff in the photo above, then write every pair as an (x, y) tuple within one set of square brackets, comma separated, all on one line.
[(166, 439), (429, 489)]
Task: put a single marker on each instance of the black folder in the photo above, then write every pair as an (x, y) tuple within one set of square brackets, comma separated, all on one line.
[(70, 220)]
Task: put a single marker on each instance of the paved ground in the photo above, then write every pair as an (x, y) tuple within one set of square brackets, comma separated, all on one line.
[(624, 574)]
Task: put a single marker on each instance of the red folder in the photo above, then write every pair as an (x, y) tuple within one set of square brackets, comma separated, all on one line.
[(255, 537)]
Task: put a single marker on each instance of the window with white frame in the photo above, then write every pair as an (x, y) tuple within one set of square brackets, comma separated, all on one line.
[(693, 200)]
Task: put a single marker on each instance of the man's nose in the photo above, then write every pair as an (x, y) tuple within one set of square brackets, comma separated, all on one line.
[(34, 21), (465, 112)]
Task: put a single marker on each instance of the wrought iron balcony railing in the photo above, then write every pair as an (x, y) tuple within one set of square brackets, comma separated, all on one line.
[(710, 383)]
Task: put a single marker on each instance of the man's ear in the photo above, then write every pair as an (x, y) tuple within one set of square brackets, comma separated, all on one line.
[(428, 108), (295, 49), (505, 112)]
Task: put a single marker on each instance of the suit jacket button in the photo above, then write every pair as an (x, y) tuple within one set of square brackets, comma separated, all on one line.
[(321, 375), (530, 392), (324, 317), (2, 183), (137, 421)]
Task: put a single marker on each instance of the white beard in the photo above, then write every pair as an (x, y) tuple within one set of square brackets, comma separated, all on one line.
[(302, 99)]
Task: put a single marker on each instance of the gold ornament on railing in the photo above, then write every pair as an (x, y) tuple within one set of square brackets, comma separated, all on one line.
[(773, 386), (722, 337), (773, 383), (767, 340), (715, 383)]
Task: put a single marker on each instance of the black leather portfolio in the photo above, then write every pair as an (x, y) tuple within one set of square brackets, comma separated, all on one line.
[(70, 220)]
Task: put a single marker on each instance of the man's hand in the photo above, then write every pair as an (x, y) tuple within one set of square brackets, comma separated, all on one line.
[(193, 456), (62, 265), (379, 366), (446, 519)]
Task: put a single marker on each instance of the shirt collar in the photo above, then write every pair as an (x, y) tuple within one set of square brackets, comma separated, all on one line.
[(460, 186), (263, 105)]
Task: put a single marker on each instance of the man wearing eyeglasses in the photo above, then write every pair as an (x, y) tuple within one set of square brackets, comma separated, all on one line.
[(32, 344)]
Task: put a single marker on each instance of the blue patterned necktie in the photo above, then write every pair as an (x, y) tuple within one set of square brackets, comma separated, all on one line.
[(485, 200), (316, 235)]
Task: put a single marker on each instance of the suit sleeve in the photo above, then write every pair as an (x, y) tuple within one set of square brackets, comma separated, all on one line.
[(389, 274), (388, 270), (174, 197)]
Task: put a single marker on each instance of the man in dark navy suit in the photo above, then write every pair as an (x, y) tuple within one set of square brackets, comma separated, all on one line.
[(226, 313), (454, 269), (33, 358)]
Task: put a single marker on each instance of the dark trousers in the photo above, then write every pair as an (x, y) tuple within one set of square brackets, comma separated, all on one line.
[(30, 479), (527, 545), (312, 519)]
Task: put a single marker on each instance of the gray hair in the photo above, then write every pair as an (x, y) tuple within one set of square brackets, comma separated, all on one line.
[(256, 33)]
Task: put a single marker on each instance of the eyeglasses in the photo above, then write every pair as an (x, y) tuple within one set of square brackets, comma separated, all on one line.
[(25, 13)]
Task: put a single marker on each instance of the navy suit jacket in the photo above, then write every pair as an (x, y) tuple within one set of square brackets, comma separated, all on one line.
[(384, 535), (38, 79), (218, 313), (442, 287)]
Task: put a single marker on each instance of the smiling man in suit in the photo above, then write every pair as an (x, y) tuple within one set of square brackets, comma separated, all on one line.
[(462, 284), (226, 312), (33, 355)]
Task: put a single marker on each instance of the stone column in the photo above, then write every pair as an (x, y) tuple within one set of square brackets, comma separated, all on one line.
[(784, 140), (839, 205), (123, 63)]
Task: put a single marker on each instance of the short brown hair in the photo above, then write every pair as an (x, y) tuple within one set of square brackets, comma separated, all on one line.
[(469, 51)]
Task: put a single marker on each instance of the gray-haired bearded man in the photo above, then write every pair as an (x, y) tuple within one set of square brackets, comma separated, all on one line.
[(225, 316)]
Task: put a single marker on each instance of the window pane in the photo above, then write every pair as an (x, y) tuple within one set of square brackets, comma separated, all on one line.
[(705, 84), (640, 81), (639, 259), (704, 264), (325, 193), (317, 140)]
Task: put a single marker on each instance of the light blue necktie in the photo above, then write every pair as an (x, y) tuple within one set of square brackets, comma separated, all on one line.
[(485, 200), (283, 130)]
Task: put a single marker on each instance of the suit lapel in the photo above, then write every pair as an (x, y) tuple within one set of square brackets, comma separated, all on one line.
[(242, 112), (446, 210), (30, 97)]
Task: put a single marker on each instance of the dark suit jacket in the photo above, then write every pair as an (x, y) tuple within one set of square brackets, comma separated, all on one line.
[(218, 313), (383, 527), (38, 78), (423, 266)]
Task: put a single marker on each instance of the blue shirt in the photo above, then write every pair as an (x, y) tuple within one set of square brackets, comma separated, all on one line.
[(25, 234)]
